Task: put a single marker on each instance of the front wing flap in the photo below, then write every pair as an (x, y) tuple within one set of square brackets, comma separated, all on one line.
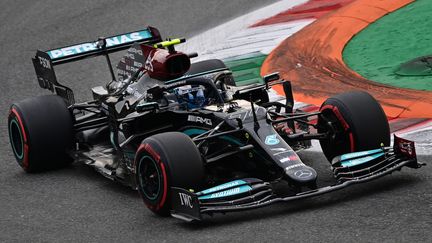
[(252, 193)]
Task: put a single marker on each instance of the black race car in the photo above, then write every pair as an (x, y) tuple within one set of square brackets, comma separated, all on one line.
[(188, 139)]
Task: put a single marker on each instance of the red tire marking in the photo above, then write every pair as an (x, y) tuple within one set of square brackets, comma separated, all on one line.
[(151, 151), (162, 202), (25, 161), (344, 123), (156, 156), (351, 137)]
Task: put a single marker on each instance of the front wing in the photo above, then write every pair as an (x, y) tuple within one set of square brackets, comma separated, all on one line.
[(253, 193)]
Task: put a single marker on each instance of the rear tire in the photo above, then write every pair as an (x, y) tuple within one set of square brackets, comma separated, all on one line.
[(359, 123), (40, 132), (163, 161)]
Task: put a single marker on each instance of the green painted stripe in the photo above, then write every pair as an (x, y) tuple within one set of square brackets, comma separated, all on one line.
[(246, 69), (378, 51)]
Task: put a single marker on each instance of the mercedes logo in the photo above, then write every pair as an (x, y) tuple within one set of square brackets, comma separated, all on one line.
[(303, 173)]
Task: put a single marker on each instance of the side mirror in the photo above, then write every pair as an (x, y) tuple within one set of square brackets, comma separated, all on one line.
[(270, 78)]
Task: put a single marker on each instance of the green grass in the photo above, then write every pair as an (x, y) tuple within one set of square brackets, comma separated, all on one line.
[(377, 52)]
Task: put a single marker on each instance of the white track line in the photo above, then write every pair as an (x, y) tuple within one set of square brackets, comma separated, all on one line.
[(209, 43)]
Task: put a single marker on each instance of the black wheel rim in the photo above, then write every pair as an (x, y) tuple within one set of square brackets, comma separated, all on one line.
[(150, 178), (338, 138), (16, 138)]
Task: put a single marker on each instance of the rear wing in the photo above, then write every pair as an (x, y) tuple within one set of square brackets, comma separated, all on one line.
[(44, 61)]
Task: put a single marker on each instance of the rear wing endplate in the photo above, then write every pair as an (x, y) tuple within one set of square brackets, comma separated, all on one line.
[(47, 79), (44, 61)]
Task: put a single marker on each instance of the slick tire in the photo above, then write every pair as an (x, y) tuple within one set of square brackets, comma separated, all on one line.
[(40, 132), (354, 121), (163, 161)]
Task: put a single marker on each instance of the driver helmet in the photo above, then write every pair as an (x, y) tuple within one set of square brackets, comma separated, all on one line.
[(192, 97)]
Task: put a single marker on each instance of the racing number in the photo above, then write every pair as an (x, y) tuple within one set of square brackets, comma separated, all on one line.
[(44, 62)]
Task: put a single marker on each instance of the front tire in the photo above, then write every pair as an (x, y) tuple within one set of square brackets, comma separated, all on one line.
[(163, 161), (40, 132), (354, 121)]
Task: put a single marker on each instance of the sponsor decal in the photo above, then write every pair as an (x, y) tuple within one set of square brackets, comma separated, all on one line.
[(304, 173), (91, 46), (44, 62), (404, 146), (272, 140), (359, 154), (149, 63), (185, 200), (223, 186), (292, 157), (199, 119), (293, 166), (353, 162), (227, 193), (279, 151), (248, 115)]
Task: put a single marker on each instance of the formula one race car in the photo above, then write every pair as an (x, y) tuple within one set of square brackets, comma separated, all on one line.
[(188, 139)]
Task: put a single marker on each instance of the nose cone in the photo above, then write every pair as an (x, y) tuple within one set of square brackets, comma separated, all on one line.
[(301, 174)]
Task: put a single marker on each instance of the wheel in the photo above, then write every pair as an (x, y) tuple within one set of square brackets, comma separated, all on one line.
[(163, 161), (354, 121), (40, 132)]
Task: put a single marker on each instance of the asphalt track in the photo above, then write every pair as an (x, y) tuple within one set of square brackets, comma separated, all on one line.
[(77, 204)]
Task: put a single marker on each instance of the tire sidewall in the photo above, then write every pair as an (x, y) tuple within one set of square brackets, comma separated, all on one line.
[(364, 120), (150, 149), (170, 168), (15, 116), (47, 128)]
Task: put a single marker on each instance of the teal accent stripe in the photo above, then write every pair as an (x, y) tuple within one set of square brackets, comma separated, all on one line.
[(227, 193), (194, 131), (360, 154), (69, 51), (223, 186), (361, 160)]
